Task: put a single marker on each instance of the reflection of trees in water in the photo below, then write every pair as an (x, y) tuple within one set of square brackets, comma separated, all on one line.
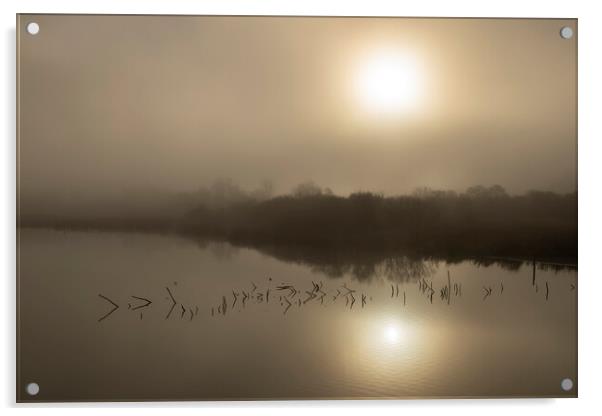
[(506, 264), (221, 250), (365, 263), (359, 264), (513, 264), (406, 269), (398, 268), (333, 262)]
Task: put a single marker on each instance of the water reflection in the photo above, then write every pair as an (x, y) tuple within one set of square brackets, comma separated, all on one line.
[(367, 263), (288, 295), (391, 333), (226, 322)]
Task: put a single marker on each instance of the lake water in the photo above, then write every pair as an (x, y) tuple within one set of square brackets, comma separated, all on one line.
[(233, 323)]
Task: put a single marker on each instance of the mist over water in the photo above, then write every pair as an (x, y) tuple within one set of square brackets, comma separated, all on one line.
[(231, 323), (210, 208), (481, 222)]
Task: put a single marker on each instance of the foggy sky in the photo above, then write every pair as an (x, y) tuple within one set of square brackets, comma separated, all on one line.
[(112, 103)]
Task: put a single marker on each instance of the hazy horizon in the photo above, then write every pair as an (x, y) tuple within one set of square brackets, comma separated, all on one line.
[(175, 103), (155, 262)]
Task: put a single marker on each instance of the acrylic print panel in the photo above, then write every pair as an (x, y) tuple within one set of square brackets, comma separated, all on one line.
[(250, 208)]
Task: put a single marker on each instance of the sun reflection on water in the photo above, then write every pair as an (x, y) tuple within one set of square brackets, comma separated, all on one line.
[(392, 334)]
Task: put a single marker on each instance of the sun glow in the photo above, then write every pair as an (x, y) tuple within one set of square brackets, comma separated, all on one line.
[(388, 83), (392, 334)]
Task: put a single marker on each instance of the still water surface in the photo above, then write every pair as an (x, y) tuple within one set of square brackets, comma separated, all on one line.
[(233, 323)]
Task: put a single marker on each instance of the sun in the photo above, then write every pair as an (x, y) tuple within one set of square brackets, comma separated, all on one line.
[(388, 83)]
